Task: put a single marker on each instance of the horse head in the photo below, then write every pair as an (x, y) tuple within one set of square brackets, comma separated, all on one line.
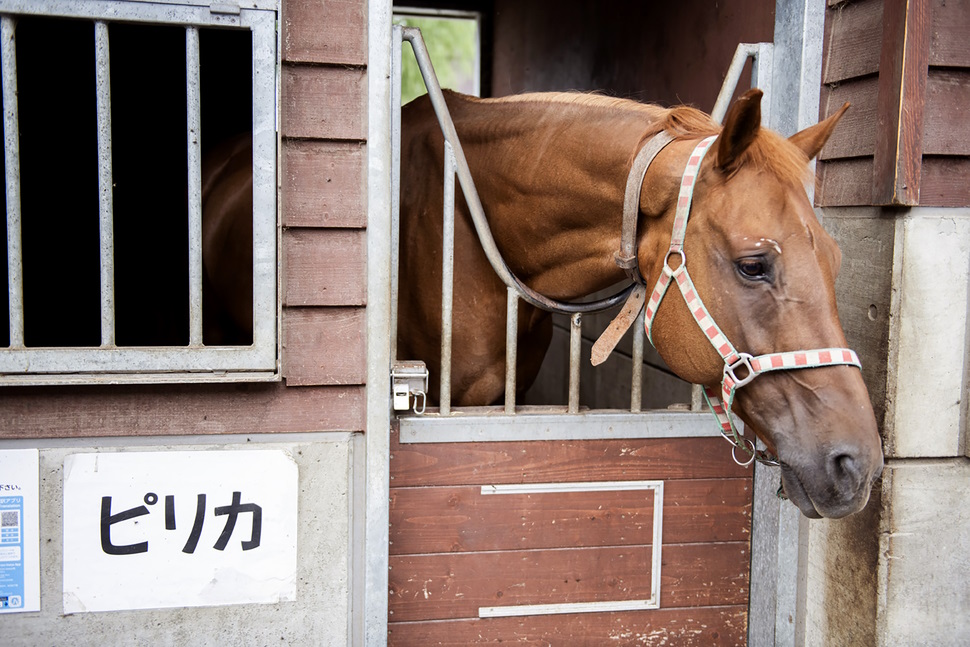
[(765, 270)]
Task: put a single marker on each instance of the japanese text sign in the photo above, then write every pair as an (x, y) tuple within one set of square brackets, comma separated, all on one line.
[(174, 529), (19, 530)]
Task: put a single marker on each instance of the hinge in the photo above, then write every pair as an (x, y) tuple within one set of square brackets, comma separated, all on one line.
[(409, 378)]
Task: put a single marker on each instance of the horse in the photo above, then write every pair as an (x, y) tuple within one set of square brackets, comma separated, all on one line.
[(551, 170)]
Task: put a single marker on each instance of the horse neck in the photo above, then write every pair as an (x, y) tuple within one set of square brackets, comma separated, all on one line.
[(555, 177)]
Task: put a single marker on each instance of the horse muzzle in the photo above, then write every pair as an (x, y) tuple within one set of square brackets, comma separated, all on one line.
[(836, 487)]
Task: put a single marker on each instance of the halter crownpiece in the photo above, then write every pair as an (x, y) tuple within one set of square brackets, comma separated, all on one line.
[(739, 368)]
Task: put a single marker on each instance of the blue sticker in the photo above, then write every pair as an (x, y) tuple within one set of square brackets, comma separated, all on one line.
[(11, 552)]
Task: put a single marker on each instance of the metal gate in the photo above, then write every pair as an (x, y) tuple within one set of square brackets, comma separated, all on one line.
[(520, 524)]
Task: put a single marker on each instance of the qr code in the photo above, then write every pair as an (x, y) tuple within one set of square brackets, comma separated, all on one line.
[(9, 518)]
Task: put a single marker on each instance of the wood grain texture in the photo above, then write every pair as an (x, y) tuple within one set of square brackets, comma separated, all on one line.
[(853, 35), (903, 65), (946, 182), (950, 33), (845, 182), (947, 113), (437, 587), (322, 184), (855, 135), (98, 411), (561, 461), (324, 102), (324, 346), (324, 267), (331, 31), (694, 627), (462, 519)]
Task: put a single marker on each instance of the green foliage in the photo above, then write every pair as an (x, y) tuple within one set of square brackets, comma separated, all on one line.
[(452, 45)]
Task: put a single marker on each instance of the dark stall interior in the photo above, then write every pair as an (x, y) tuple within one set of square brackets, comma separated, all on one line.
[(59, 174), (665, 53)]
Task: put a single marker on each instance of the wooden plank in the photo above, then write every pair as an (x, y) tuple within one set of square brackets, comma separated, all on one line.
[(853, 37), (325, 32), (950, 33), (844, 183), (695, 627), (187, 409), (456, 585), (426, 464), (323, 346), (945, 182), (323, 184), (462, 519), (902, 94), (324, 267), (855, 135), (947, 113), (324, 102)]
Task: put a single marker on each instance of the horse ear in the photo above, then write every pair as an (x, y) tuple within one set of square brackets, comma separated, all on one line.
[(741, 126), (812, 139)]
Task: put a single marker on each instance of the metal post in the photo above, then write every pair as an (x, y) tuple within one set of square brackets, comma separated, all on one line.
[(397, 44), (511, 347), (575, 349), (11, 148), (194, 118), (106, 206), (636, 380), (447, 279)]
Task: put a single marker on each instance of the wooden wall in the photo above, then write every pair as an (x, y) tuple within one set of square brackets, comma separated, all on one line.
[(905, 141), (322, 269)]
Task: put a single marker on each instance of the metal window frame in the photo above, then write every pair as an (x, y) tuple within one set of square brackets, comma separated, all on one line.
[(195, 362)]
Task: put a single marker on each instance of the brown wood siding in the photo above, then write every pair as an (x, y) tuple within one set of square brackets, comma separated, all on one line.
[(905, 67), (323, 205), (455, 550)]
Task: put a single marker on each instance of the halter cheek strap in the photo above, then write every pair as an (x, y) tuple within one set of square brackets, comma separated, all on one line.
[(739, 368)]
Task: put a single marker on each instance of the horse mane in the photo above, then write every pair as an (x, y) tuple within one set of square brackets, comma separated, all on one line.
[(769, 152)]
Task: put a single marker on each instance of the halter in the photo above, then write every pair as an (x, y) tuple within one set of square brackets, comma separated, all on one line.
[(739, 368)]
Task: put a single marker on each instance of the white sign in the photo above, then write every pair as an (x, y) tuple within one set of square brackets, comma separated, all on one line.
[(176, 529), (19, 530)]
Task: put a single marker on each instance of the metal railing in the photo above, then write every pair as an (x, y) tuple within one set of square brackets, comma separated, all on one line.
[(456, 166)]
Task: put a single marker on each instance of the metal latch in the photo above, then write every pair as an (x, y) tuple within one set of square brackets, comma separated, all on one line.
[(409, 378)]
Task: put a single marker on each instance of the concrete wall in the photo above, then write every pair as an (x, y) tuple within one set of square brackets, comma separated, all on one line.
[(897, 574), (321, 613)]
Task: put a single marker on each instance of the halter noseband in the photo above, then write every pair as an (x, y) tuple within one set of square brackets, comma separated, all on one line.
[(739, 368)]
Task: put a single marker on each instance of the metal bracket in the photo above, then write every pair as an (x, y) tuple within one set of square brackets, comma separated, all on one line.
[(409, 378)]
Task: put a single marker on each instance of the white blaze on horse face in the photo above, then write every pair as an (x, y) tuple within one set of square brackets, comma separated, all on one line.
[(766, 242)]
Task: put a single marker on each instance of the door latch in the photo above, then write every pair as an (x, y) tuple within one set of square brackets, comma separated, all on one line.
[(409, 378)]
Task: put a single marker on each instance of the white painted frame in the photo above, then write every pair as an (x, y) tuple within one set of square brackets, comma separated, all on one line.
[(195, 363)]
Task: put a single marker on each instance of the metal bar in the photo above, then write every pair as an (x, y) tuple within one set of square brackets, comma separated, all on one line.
[(106, 206), (11, 149), (511, 347), (575, 349), (636, 379), (396, 51), (194, 120), (741, 55), (489, 427), (447, 279)]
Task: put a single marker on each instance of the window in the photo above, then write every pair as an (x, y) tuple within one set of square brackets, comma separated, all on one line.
[(109, 110), (454, 44)]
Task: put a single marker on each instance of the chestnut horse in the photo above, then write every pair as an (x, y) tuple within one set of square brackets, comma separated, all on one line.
[(551, 171)]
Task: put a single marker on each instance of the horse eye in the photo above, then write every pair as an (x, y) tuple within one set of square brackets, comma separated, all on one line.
[(753, 269)]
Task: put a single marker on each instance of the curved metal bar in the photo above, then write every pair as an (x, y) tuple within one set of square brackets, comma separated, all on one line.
[(475, 208)]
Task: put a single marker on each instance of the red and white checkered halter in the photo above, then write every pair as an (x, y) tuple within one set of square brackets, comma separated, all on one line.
[(720, 403)]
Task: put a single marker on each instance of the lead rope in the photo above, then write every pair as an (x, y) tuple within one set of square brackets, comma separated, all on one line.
[(720, 403)]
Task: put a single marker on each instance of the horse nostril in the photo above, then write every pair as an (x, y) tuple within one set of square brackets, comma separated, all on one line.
[(847, 470)]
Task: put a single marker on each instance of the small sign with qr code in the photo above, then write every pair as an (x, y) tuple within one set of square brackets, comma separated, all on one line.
[(19, 524)]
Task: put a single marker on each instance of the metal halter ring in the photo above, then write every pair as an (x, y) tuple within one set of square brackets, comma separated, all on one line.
[(754, 451), (683, 259), (744, 359)]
